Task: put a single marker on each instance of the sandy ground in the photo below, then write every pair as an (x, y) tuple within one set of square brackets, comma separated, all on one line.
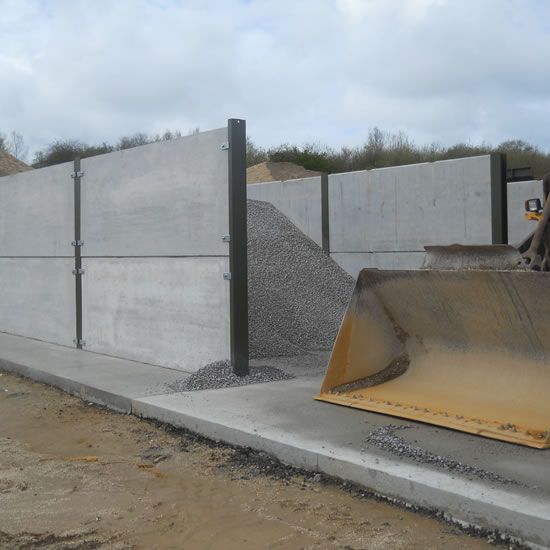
[(74, 475)]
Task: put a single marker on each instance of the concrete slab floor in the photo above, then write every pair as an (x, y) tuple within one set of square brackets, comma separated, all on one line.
[(106, 380), (283, 419)]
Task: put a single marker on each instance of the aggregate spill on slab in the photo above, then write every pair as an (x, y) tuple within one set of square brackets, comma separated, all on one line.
[(220, 375), (297, 294), (386, 439)]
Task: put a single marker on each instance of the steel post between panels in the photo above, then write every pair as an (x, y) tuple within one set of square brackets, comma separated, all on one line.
[(238, 246), (499, 199), (77, 243), (325, 227)]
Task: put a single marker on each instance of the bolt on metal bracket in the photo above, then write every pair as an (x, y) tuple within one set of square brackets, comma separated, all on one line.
[(79, 271), (77, 243), (225, 146), (226, 238), (227, 276), (77, 174)]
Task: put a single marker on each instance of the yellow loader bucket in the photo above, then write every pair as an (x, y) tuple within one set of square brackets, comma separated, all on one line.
[(468, 350)]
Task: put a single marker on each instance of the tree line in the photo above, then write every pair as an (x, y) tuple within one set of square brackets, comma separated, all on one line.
[(380, 149)]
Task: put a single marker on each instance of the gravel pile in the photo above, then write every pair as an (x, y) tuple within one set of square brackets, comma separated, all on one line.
[(297, 294), (220, 375), (385, 438)]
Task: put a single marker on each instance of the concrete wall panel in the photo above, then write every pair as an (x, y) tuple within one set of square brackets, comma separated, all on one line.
[(37, 217), (518, 193), (404, 208), (299, 200), (163, 199), (166, 311), (362, 211), (353, 263), (37, 298)]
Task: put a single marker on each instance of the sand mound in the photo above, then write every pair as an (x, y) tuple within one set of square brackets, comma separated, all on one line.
[(277, 171)]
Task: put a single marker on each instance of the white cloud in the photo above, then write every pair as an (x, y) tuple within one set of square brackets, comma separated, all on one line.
[(297, 70)]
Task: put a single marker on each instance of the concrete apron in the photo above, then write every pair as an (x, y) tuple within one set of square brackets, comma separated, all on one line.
[(282, 419)]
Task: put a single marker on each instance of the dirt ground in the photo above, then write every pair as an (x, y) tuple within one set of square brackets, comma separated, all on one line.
[(74, 475)]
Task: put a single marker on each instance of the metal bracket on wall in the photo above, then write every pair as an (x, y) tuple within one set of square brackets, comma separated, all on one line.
[(225, 146), (77, 243), (79, 342), (79, 271), (226, 238), (227, 276), (77, 174)]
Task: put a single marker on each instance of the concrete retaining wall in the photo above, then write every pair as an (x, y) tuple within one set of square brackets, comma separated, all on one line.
[(37, 213), (383, 218), (37, 296), (518, 193), (163, 199), (299, 200), (153, 219), (165, 311)]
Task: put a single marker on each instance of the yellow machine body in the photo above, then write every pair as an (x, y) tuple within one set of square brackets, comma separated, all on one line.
[(464, 349)]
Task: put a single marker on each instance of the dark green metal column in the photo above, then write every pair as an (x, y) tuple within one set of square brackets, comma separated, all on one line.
[(77, 243), (238, 246), (499, 199)]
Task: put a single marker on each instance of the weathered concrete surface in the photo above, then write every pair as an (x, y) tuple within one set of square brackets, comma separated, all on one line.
[(37, 298), (404, 208), (518, 193), (282, 418), (354, 262), (172, 312), (299, 200), (37, 212), (163, 199)]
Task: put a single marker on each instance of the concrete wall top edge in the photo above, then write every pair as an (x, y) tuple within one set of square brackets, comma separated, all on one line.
[(144, 149), (295, 180), (418, 164), (38, 173)]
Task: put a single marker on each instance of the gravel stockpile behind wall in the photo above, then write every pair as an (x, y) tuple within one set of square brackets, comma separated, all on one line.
[(297, 294)]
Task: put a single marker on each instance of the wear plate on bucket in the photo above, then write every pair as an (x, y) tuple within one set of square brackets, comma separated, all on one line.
[(467, 350)]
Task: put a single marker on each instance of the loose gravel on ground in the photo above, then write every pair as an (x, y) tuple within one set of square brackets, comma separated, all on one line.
[(297, 294), (385, 438), (220, 375)]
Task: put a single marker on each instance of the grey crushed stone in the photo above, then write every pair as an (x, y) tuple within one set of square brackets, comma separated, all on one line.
[(297, 294), (220, 375), (385, 438)]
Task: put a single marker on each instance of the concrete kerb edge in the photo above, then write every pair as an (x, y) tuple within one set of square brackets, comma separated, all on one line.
[(467, 513), (87, 393), (289, 454)]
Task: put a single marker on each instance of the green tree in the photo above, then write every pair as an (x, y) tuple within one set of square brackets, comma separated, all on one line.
[(67, 150)]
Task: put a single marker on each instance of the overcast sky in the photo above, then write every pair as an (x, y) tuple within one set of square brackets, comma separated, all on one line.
[(298, 70)]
